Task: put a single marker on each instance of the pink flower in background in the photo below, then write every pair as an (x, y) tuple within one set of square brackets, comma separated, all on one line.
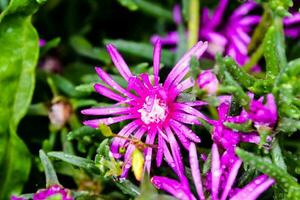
[(208, 82), (220, 180), (151, 106), (230, 37), (53, 191)]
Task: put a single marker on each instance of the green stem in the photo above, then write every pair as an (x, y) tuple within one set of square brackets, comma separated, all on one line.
[(255, 57), (193, 24)]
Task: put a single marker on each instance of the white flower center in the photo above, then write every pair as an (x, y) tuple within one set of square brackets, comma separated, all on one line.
[(154, 110)]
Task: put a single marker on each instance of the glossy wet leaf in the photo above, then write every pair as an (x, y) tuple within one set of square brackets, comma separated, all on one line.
[(283, 179), (18, 58), (51, 177), (75, 160)]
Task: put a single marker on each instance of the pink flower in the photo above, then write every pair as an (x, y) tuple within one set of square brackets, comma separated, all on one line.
[(151, 106), (208, 81), (53, 191), (220, 180)]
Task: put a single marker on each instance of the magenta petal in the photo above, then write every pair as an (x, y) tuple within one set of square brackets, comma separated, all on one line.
[(156, 60), (184, 141), (125, 132), (189, 110), (108, 93), (148, 152), (106, 111), (196, 171), (197, 50), (173, 187), (127, 157), (254, 188), (185, 130), (231, 178), (218, 14), (215, 171), (175, 149), (119, 62), (185, 118), (160, 151), (109, 81), (94, 123)]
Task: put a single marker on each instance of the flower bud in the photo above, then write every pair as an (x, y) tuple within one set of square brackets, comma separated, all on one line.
[(208, 82)]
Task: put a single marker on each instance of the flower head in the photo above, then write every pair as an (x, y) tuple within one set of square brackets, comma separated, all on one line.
[(208, 81), (220, 180), (152, 107), (263, 114), (53, 191), (231, 38)]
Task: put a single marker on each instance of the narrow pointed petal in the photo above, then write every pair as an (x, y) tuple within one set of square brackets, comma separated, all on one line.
[(231, 178), (215, 171), (173, 187), (184, 85), (160, 151), (197, 50), (106, 78), (190, 110), (185, 118), (148, 152), (182, 138), (254, 188), (119, 62), (185, 130), (127, 157), (94, 123), (196, 174), (126, 131), (156, 61), (175, 149), (108, 93), (196, 103), (106, 111), (218, 14)]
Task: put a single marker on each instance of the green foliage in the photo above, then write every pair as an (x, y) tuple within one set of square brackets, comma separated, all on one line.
[(283, 179), (18, 58), (51, 178), (75, 160)]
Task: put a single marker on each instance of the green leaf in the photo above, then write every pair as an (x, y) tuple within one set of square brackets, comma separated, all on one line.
[(51, 178), (129, 4), (277, 156), (49, 45), (283, 179), (75, 160), (84, 48), (148, 191), (272, 58), (288, 125), (67, 87), (238, 73), (128, 187), (18, 58), (83, 131), (143, 50), (153, 9)]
